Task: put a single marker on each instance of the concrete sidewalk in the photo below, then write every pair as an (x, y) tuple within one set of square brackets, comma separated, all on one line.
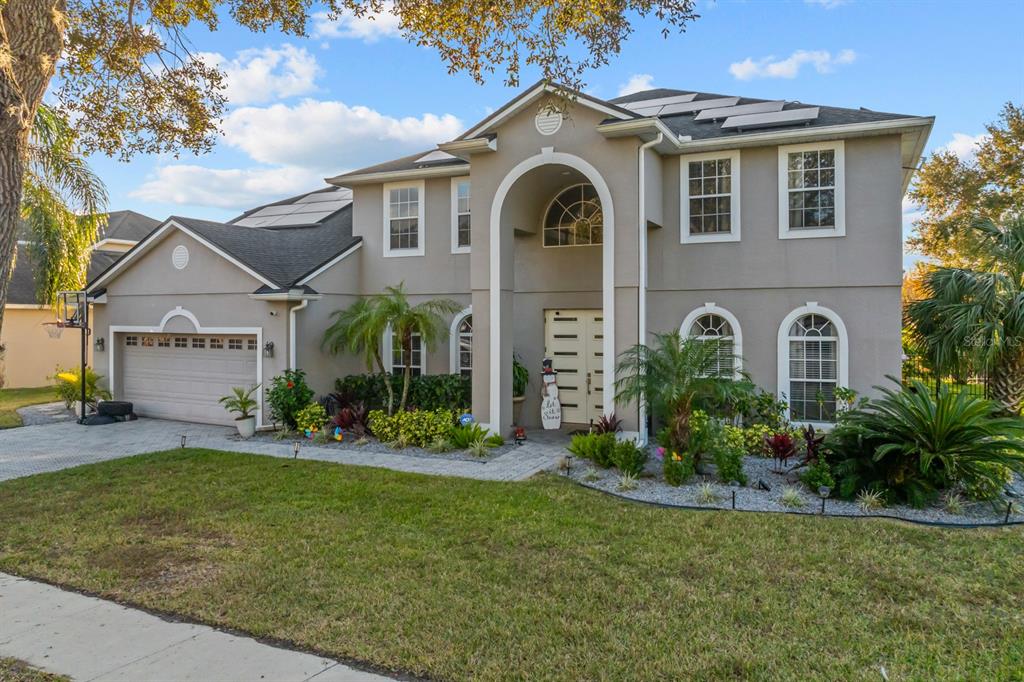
[(87, 638)]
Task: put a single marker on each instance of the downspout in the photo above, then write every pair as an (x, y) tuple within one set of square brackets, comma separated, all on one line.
[(292, 354), (642, 269)]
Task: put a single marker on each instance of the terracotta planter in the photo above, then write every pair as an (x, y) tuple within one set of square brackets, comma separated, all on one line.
[(246, 426)]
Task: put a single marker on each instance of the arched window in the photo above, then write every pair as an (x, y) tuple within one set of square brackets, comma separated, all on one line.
[(574, 218), (812, 341), (711, 323), (462, 343)]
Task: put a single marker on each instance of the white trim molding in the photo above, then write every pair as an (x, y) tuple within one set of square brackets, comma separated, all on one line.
[(737, 331), (785, 231), (735, 220), (548, 156), (782, 352), (453, 340), (455, 213), (178, 311), (421, 227)]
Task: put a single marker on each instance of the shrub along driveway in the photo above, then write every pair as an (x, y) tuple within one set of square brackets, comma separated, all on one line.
[(39, 449), (456, 578)]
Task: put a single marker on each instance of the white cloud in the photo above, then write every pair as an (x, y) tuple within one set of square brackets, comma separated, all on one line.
[(965, 146), (770, 67), (827, 4), (369, 28), (330, 135), (638, 82), (293, 148), (265, 74), (236, 188)]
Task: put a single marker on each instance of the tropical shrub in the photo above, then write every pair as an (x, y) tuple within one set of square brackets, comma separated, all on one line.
[(607, 423), (599, 448), (311, 418), (782, 446), (416, 427), (729, 463), (240, 401), (288, 393), (629, 458), (755, 440), (761, 408), (818, 475), (678, 468), (463, 436), (520, 377), (910, 443), (352, 418), (69, 386), (426, 392), (990, 486)]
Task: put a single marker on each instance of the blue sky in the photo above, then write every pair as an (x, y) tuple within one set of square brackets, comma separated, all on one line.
[(354, 93)]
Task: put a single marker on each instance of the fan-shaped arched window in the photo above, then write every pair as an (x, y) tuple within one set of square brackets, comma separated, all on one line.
[(713, 327), (574, 218)]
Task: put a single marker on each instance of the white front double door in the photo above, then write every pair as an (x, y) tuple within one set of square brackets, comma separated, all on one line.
[(574, 340)]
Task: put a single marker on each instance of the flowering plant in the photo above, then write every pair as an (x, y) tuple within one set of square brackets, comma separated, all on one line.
[(288, 393)]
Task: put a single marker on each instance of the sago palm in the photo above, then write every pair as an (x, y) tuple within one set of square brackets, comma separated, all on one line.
[(674, 376), (428, 319), (62, 204), (359, 329), (975, 317)]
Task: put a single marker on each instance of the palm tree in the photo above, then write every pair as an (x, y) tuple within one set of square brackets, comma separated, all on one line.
[(62, 204), (361, 327), (675, 376), (428, 319), (975, 317)]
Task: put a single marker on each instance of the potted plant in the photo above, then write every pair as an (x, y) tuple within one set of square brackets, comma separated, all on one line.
[(243, 404), (520, 379)]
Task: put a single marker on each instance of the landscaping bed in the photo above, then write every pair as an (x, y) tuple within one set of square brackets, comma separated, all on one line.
[(370, 444), (651, 487), (457, 579)]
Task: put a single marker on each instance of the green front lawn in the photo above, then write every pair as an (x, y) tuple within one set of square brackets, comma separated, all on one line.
[(460, 579), (13, 398)]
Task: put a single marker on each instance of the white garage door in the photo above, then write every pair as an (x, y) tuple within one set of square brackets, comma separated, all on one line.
[(182, 376)]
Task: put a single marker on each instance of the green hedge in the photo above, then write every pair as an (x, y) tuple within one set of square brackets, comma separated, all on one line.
[(428, 392)]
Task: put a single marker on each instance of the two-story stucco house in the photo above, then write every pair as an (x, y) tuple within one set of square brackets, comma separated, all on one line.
[(571, 235)]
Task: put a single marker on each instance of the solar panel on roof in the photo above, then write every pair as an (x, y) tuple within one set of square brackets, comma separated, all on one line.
[(739, 110), (658, 101), (770, 120), (686, 107), (340, 194)]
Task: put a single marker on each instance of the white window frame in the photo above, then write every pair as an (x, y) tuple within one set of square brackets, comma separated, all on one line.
[(388, 355), (453, 341), (684, 199), (455, 214), (421, 240), (839, 230), (842, 356), (547, 208), (737, 332)]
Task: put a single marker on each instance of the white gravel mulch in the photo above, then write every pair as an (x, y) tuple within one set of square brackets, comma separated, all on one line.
[(651, 487)]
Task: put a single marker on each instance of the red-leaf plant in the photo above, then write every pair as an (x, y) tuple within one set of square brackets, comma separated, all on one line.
[(782, 447)]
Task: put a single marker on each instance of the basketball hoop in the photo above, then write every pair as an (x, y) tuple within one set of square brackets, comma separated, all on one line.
[(54, 329)]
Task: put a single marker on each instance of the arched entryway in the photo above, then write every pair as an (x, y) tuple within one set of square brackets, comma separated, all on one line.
[(519, 207)]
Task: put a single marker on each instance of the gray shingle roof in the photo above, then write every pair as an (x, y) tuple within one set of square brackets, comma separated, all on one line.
[(128, 225), (282, 256), (410, 162), (22, 288)]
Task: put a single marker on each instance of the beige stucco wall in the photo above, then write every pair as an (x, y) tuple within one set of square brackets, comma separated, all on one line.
[(212, 289), (32, 356)]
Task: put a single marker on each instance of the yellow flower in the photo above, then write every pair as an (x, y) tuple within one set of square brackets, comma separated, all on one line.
[(676, 457)]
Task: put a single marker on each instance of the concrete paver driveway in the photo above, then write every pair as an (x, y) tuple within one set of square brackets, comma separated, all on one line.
[(37, 449)]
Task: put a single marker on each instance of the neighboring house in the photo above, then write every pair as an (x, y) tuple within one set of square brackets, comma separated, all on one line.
[(31, 354), (774, 225)]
